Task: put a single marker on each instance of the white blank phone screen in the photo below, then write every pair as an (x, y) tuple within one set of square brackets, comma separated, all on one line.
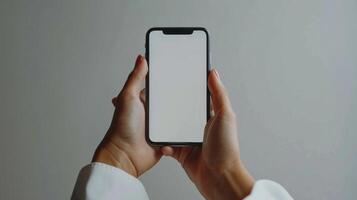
[(178, 86)]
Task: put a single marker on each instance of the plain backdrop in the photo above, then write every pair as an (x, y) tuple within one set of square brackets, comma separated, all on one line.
[(289, 66)]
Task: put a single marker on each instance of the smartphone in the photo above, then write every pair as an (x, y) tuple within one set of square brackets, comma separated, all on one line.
[(177, 96)]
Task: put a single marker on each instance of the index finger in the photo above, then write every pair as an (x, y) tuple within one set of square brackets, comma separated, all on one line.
[(219, 94)]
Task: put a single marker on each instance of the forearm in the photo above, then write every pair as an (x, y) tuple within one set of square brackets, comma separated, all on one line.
[(109, 154)]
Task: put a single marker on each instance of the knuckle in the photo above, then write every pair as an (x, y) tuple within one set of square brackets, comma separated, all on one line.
[(228, 113), (126, 95), (135, 75)]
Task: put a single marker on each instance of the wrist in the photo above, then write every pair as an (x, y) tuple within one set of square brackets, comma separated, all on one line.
[(112, 155), (234, 183)]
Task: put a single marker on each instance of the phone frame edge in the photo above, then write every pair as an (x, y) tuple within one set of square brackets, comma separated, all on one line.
[(147, 82)]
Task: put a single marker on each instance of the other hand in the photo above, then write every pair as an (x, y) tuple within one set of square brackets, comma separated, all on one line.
[(216, 168), (124, 145)]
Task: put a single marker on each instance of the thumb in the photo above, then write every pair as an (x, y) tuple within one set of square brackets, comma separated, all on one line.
[(136, 77)]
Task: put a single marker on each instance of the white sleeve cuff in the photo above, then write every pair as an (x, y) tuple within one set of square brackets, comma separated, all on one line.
[(268, 190), (101, 181)]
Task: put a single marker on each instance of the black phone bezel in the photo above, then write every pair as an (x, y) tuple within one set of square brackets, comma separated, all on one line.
[(173, 30)]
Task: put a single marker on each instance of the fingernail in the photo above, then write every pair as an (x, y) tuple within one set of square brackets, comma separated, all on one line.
[(216, 72), (139, 59)]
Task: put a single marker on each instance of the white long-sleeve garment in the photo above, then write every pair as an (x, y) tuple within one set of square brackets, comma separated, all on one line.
[(101, 181)]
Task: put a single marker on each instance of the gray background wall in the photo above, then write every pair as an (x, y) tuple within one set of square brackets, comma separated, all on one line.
[(290, 68)]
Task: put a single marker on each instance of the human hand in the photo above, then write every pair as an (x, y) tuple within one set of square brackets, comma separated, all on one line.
[(124, 145), (216, 168)]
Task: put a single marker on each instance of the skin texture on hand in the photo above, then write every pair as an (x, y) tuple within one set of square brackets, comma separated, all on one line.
[(124, 145), (216, 168)]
